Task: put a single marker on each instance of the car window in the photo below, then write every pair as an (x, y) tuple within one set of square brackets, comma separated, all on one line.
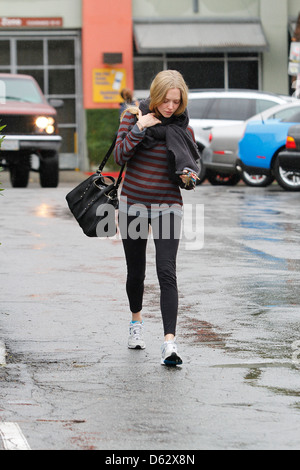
[(232, 109), (198, 108), (12, 89), (294, 118), (286, 115), (263, 105)]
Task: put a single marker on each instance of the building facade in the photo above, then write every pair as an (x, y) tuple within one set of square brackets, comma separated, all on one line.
[(86, 51)]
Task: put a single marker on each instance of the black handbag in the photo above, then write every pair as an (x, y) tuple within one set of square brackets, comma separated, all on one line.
[(94, 202)]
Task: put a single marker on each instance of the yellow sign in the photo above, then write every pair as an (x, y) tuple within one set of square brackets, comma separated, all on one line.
[(107, 85)]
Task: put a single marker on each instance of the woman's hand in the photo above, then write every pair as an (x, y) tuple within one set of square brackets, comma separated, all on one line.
[(189, 177), (148, 120)]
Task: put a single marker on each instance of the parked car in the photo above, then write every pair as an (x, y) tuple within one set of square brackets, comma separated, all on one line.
[(31, 128), (289, 161), (219, 108), (263, 141), (220, 156)]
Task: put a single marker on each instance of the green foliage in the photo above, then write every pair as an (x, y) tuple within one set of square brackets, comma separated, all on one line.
[(102, 125), (1, 138)]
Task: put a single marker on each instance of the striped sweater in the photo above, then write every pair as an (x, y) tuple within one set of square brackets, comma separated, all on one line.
[(146, 181)]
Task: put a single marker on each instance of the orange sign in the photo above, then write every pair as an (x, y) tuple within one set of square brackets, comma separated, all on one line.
[(107, 85)]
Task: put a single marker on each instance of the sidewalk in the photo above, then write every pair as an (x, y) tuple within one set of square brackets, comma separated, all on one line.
[(65, 176)]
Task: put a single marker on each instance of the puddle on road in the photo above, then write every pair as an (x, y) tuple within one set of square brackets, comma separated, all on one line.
[(48, 211)]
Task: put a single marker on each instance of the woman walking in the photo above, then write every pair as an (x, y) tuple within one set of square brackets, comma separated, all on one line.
[(158, 147)]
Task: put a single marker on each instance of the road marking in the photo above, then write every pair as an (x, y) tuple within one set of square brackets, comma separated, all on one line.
[(2, 354), (12, 436)]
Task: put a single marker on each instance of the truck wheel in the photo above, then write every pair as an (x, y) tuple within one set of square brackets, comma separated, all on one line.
[(19, 175), (49, 170)]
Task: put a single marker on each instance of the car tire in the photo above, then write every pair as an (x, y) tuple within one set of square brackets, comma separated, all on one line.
[(19, 174), (286, 179), (220, 179), (49, 170), (257, 181)]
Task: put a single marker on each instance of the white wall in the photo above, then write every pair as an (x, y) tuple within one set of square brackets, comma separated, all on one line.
[(69, 10), (293, 8), (274, 17), (185, 8)]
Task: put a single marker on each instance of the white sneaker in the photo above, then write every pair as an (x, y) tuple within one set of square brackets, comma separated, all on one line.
[(136, 340), (169, 354)]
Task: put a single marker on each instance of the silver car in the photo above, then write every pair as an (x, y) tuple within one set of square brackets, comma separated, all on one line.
[(210, 109), (220, 157)]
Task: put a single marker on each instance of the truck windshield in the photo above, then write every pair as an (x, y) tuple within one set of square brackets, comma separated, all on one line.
[(18, 89)]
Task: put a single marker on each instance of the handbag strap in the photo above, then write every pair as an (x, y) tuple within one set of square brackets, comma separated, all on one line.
[(105, 159), (108, 153), (120, 176)]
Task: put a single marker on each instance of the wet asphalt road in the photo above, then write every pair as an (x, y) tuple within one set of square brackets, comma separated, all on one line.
[(70, 382)]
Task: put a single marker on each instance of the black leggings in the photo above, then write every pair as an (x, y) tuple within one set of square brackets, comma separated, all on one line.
[(166, 253)]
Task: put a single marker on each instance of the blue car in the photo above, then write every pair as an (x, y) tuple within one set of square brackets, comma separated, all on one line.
[(264, 140)]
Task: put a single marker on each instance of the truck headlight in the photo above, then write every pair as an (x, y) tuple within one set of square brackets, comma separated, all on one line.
[(45, 123)]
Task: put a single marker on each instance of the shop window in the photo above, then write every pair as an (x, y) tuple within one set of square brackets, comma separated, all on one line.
[(61, 52), (202, 70), (61, 82), (243, 74), (30, 52), (200, 74), (4, 53), (144, 72)]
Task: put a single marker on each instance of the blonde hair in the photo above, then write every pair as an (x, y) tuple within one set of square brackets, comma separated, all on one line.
[(162, 83)]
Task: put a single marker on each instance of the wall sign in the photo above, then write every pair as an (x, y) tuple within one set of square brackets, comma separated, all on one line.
[(294, 65), (7, 22), (107, 85)]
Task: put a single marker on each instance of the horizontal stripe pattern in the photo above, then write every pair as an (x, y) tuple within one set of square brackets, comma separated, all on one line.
[(146, 179)]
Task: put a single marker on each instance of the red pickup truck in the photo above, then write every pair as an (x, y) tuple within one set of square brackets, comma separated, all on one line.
[(30, 129)]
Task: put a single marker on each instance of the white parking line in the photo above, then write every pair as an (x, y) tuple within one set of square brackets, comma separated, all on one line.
[(12, 436), (2, 354)]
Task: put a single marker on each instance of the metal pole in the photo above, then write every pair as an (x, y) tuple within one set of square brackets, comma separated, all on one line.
[(196, 6)]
